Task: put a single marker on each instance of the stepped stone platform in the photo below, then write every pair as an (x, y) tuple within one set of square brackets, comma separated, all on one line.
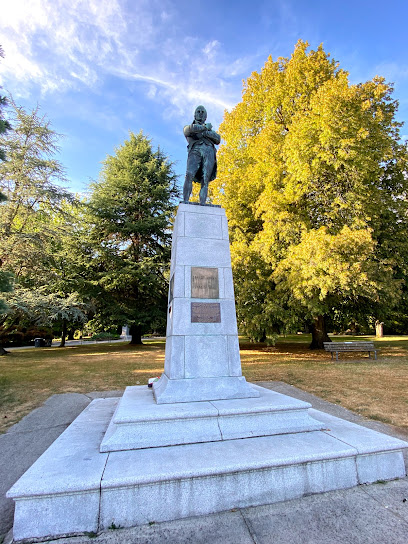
[(75, 488), (139, 422)]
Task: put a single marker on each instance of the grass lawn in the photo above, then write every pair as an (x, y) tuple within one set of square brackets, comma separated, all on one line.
[(375, 389)]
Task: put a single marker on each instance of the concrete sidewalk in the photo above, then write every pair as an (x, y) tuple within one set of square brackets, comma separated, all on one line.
[(376, 513)]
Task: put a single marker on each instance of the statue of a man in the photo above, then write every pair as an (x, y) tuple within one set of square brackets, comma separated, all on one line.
[(202, 160)]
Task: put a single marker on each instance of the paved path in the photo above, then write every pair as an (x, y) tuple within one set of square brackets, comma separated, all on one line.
[(368, 514), (70, 343)]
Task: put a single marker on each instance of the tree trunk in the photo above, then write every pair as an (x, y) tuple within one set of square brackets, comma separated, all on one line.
[(379, 329), (135, 332), (319, 334), (3, 351), (63, 333), (262, 336), (71, 333)]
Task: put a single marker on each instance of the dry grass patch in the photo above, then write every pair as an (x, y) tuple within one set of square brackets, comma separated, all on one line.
[(376, 389), (29, 376)]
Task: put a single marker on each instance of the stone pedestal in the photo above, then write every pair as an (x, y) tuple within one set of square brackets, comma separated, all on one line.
[(202, 352)]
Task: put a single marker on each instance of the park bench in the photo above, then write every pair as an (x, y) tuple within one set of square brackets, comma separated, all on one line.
[(350, 346)]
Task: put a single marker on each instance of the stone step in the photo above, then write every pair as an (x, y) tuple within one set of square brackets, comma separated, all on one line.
[(141, 423), (73, 488)]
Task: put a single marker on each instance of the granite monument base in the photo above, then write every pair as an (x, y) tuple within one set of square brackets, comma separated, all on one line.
[(139, 422), (75, 488)]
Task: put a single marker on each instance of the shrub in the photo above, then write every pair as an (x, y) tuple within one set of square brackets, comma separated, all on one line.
[(22, 336), (105, 336)]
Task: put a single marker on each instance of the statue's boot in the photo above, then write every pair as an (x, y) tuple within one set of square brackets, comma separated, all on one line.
[(187, 189), (203, 194)]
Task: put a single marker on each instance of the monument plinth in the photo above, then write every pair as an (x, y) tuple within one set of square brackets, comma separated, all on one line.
[(202, 360), (202, 395)]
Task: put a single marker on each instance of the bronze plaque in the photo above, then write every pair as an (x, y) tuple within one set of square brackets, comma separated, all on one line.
[(204, 282), (205, 312)]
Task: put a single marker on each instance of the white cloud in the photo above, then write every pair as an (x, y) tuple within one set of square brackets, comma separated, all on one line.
[(58, 45), (211, 48), (152, 91), (391, 71)]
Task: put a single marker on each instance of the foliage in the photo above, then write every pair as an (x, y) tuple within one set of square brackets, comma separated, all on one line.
[(36, 224), (5, 280), (22, 336), (29, 179), (313, 178), (324, 269), (131, 206), (4, 124), (6, 285), (105, 258), (69, 253), (105, 336), (39, 307)]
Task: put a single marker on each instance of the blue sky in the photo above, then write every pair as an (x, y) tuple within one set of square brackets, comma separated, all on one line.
[(101, 68)]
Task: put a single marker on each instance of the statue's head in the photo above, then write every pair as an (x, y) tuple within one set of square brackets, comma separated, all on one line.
[(200, 114)]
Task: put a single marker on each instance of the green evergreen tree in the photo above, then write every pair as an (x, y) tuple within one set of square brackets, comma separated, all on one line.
[(131, 206), (4, 124), (5, 278), (34, 216), (313, 178), (30, 179), (68, 260), (6, 282), (5, 286)]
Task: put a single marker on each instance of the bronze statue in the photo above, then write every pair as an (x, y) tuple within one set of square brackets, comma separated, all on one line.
[(202, 160)]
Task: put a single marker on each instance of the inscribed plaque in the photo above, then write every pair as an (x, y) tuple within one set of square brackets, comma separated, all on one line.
[(205, 312), (204, 282)]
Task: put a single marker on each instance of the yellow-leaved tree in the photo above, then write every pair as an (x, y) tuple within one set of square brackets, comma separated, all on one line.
[(312, 174)]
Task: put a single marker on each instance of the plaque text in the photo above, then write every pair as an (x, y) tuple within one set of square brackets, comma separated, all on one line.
[(204, 282), (205, 312)]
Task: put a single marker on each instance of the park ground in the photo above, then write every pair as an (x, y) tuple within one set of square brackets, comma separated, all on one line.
[(376, 389)]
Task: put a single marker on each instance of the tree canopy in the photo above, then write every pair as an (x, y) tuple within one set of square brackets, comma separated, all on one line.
[(5, 277), (131, 206), (4, 123), (35, 220), (312, 174), (30, 178), (104, 256)]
